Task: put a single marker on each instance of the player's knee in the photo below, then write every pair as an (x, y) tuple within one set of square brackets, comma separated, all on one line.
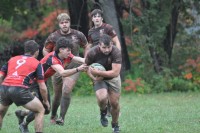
[(114, 105), (42, 110), (103, 100), (66, 93)]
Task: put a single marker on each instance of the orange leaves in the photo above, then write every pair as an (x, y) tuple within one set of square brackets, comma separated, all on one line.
[(49, 22), (188, 76), (135, 55), (191, 69), (137, 11), (135, 30), (47, 26), (191, 65), (29, 33), (125, 14), (132, 85)]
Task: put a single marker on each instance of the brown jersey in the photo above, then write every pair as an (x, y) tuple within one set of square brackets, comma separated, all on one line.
[(96, 56), (77, 37), (95, 33)]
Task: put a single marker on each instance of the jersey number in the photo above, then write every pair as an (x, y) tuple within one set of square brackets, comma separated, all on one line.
[(20, 62)]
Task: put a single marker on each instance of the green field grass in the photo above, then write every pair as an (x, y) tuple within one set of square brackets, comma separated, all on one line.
[(151, 113)]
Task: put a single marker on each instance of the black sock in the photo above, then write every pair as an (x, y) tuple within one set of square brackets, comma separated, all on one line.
[(114, 124), (30, 117)]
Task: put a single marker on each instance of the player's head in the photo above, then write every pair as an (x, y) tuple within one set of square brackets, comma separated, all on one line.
[(96, 16), (31, 47), (64, 22), (105, 44), (62, 17), (96, 11), (63, 45)]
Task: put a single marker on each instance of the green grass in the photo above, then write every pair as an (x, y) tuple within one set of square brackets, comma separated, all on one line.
[(152, 113)]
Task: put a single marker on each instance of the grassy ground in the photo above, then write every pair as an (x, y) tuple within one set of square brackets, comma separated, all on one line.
[(152, 113)]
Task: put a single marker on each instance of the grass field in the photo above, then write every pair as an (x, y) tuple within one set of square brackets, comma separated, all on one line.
[(152, 113)]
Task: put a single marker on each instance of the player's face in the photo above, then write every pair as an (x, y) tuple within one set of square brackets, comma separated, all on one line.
[(64, 26), (97, 20), (65, 52), (105, 49), (36, 53)]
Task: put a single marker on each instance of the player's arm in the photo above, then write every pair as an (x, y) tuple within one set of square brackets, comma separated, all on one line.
[(65, 73), (42, 85), (116, 42), (1, 78), (3, 72), (87, 48), (78, 59), (45, 51), (108, 74), (48, 46), (44, 93)]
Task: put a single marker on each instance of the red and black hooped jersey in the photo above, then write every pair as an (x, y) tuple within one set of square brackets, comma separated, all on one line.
[(53, 59), (21, 71)]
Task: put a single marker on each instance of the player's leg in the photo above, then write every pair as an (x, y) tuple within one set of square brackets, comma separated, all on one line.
[(23, 97), (57, 88), (102, 100), (21, 115), (30, 114), (68, 85), (5, 102), (3, 110), (36, 106), (114, 92), (108, 109)]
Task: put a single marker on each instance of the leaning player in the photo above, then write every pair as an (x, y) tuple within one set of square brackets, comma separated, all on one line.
[(52, 63)]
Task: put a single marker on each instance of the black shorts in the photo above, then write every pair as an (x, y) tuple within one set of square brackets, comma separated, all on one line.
[(19, 95), (34, 88)]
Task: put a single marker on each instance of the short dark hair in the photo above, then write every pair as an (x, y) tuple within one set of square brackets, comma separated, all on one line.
[(106, 39), (63, 42), (31, 47), (96, 11)]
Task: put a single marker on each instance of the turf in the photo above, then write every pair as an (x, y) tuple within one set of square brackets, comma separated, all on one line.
[(152, 113)]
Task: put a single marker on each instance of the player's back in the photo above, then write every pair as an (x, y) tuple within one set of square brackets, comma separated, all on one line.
[(21, 70)]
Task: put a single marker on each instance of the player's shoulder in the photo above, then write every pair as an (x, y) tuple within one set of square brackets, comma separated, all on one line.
[(115, 49), (33, 59), (55, 33), (93, 50), (105, 25), (76, 31), (91, 29)]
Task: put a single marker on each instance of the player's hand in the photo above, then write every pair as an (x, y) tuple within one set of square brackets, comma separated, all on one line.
[(94, 72), (82, 68), (47, 105), (98, 78)]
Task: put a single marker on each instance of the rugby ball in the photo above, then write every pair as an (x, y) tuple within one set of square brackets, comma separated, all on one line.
[(98, 66)]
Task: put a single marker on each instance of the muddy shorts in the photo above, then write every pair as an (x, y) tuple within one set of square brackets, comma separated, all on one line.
[(114, 84), (13, 94)]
